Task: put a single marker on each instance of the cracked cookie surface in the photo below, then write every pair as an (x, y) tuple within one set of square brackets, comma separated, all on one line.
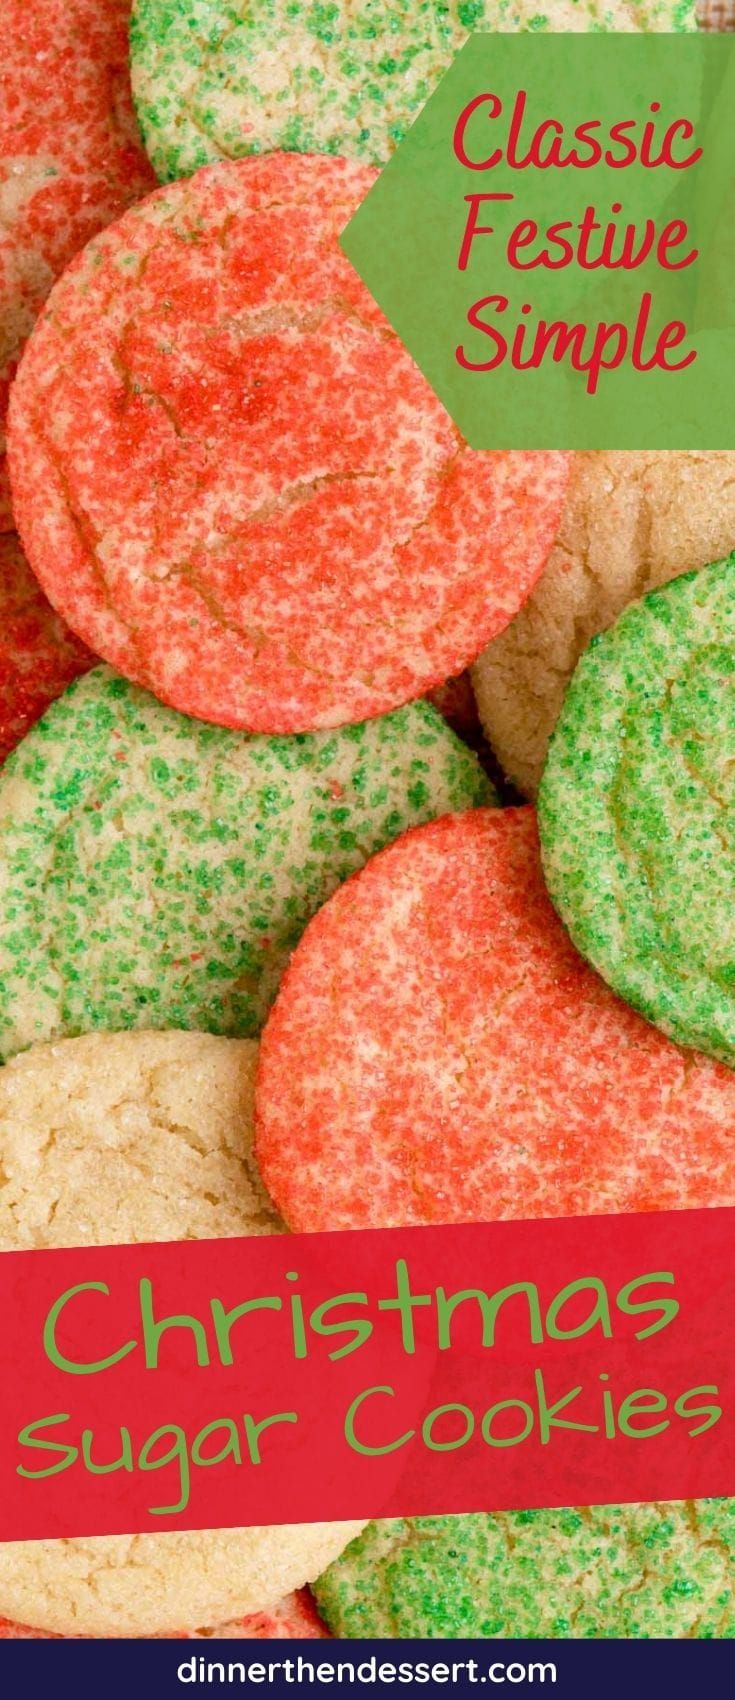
[(218, 79), (254, 505), (70, 155), (439, 1052), (632, 1571), (294, 1618), (121, 1138), (155, 872), (631, 521), (637, 808)]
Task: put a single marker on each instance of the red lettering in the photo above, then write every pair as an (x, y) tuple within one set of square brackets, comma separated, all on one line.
[(582, 134), (671, 235), (617, 134), (524, 233), (550, 127), (514, 134), (683, 127), (555, 238), (680, 126), (590, 350), (545, 148), (588, 226), (630, 256), (460, 131), (598, 361), (472, 228), (671, 336), (500, 302)]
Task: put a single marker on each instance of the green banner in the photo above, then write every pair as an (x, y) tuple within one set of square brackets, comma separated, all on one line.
[(554, 241)]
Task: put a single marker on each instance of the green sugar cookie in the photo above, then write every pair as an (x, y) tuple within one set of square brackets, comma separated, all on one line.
[(632, 1571), (157, 872), (637, 808), (216, 80)]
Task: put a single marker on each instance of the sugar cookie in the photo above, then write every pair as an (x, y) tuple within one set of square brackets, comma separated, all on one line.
[(632, 520), (632, 1571), (39, 656), (156, 872), (293, 1619), (70, 155), (438, 1052), (215, 81), (637, 808), (254, 504), (152, 1140)]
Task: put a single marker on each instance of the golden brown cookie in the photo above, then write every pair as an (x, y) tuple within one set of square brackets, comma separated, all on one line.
[(632, 521)]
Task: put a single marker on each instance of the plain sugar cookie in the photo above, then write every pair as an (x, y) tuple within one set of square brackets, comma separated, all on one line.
[(155, 872), (293, 1619), (632, 520), (254, 504), (70, 155), (637, 808), (152, 1140), (439, 1052), (216, 81)]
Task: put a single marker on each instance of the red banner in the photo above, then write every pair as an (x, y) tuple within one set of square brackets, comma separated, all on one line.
[(371, 1374)]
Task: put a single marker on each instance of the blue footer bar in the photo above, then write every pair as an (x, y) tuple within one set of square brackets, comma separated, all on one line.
[(566, 1669)]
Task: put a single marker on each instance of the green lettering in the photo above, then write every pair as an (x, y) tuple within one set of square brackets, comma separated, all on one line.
[(359, 1327), (643, 1399), (600, 1312), (507, 1405), (547, 1413), (153, 1330), (230, 1449), (405, 1303), (349, 1426), (254, 1430), (427, 1427), (490, 1304), (27, 1438), (49, 1334), (224, 1321), (124, 1462), (176, 1454), (711, 1413), (667, 1309)]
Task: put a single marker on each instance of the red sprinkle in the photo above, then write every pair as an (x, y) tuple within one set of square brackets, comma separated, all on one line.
[(39, 656), (254, 504), (438, 1052), (70, 156)]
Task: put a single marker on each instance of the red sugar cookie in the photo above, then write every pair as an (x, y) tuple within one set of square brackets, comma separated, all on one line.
[(294, 1619), (254, 504), (39, 656), (438, 1052), (70, 156)]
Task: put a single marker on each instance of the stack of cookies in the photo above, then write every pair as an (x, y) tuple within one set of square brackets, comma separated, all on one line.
[(278, 948)]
